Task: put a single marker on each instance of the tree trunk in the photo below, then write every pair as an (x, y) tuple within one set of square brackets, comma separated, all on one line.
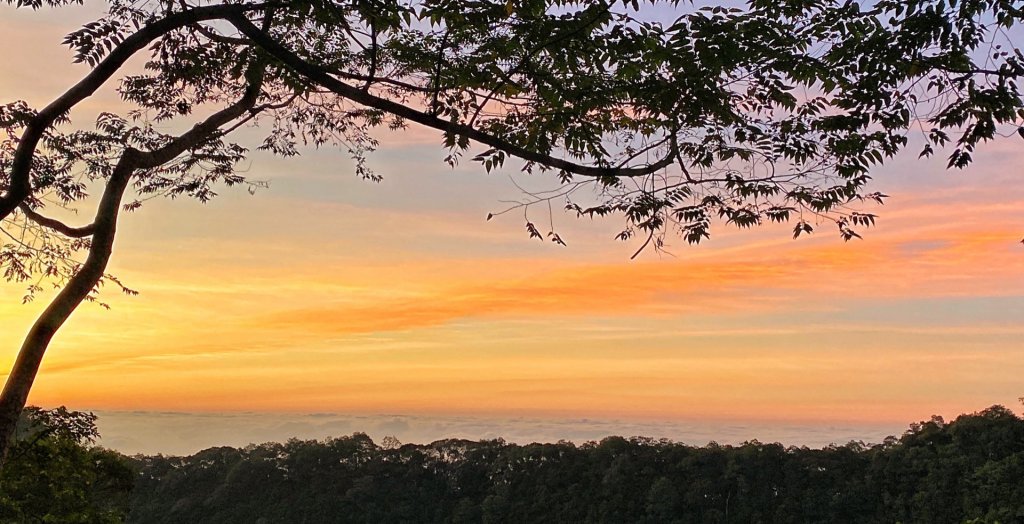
[(19, 382)]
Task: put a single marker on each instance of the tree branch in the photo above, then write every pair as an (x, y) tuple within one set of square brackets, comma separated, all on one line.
[(320, 76), (206, 129), (210, 34), (57, 225), (20, 182), (374, 50), (78, 288)]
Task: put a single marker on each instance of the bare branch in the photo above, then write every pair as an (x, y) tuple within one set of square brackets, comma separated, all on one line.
[(57, 225)]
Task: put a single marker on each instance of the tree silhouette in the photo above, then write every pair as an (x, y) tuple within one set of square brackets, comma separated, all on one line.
[(772, 112), (967, 469), (55, 474)]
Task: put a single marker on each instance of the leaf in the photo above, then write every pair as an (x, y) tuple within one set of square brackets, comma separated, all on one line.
[(534, 233), (802, 227), (849, 234)]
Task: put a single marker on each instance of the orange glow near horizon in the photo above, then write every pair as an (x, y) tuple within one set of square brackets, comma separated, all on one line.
[(327, 293), (765, 330)]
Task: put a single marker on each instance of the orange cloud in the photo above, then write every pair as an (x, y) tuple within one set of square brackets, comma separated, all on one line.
[(969, 263)]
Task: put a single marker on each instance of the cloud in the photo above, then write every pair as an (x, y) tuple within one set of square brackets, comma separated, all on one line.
[(187, 433), (966, 263)]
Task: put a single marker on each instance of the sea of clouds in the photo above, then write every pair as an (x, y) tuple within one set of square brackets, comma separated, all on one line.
[(178, 433)]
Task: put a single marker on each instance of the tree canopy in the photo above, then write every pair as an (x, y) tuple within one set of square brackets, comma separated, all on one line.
[(672, 116), (952, 472), (964, 470), (54, 472)]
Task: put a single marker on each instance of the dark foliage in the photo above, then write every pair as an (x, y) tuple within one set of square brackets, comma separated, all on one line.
[(54, 474), (936, 472)]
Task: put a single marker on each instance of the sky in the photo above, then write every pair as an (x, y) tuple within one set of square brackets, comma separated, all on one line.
[(368, 303)]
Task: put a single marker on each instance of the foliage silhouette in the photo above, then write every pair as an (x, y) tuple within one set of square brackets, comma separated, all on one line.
[(936, 473), (54, 474)]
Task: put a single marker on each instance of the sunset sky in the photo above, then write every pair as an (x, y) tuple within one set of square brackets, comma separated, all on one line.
[(327, 293)]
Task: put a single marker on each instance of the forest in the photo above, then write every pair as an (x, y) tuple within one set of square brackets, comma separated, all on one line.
[(967, 470)]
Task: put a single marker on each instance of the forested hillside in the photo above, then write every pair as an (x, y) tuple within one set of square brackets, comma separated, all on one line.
[(971, 468)]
